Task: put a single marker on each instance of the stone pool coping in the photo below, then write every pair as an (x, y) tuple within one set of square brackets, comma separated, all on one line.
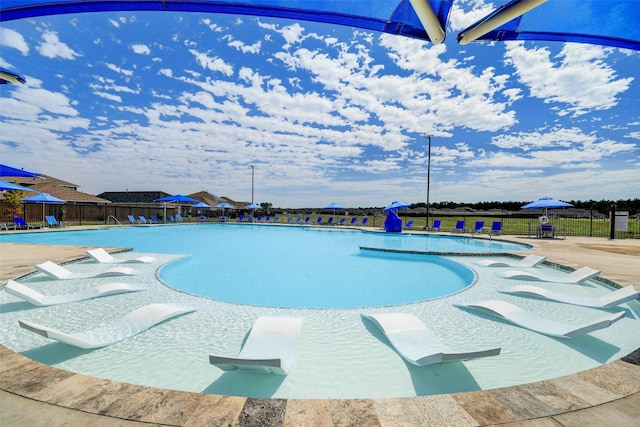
[(37, 394)]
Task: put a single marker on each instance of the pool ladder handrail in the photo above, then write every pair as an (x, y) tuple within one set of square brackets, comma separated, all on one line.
[(114, 218)]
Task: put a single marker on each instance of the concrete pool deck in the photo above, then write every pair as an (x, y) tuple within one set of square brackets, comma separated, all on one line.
[(35, 394)]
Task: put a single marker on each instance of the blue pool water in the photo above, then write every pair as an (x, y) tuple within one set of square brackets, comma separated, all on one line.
[(293, 266)]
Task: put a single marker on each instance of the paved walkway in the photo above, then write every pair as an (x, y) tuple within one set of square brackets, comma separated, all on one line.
[(38, 395)]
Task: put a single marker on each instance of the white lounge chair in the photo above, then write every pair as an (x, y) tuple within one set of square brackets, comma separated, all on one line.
[(528, 261), (36, 298), (610, 299), (528, 320), (104, 257), (59, 272), (137, 321), (417, 344), (578, 276), (270, 347)]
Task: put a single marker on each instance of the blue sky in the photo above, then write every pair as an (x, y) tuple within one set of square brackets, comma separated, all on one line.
[(185, 102)]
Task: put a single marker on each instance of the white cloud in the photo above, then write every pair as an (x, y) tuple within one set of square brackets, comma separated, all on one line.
[(212, 63), (52, 47), (13, 39), (141, 49)]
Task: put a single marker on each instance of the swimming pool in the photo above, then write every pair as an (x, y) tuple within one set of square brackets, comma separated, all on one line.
[(339, 354)]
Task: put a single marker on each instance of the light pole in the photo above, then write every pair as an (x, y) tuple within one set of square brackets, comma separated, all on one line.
[(252, 175), (428, 179)]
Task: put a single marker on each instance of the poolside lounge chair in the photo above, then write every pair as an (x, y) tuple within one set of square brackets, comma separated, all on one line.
[(290, 220), (306, 220), (319, 220), (104, 257), (578, 276), (171, 218), (529, 320), (435, 226), (330, 221), (354, 221), (21, 223), (155, 219), (528, 261), (459, 227), (179, 218), (132, 219), (610, 299), (298, 220), (36, 298), (137, 321), (52, 221), (59, 272), (259, 219), (409, 225), (417, 344), (276, 219), (268, 218), (142, 220), (496, 227), (240, 218), (341, 221), (364, 221), (478, 227), (269, 348)]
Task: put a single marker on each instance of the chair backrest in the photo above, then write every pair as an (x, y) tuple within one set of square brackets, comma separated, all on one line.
[(330, 221), (479, 225), (268, 218), (51, 220), (354, 220), (289, 219), (142, 218), (241, 218), (460, 225), (319, 219), (496, 226), (364, 220), (171, 218), (154, 218), (409, 224), (298, 220), (307, 219), (131, 219), (20, 222), (179, 217), (341, 221), (436, 224)]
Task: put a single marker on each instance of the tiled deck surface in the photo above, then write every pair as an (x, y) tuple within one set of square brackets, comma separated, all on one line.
[(38, 395)]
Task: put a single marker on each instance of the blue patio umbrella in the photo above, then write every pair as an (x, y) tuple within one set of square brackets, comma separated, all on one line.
[(7, 77), (45, 199), (200, 205), (10, 171), (252, 206), (546, 203), (6, 186), (176, 198), (395, 205), (223, 206), (335, 207)]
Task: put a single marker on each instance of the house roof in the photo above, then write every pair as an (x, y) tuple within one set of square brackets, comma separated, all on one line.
[(133, 196), (68, 194)]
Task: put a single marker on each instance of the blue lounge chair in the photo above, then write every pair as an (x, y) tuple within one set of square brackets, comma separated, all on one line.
[(459, 227), (171, 218), (289, 220), (51, 220), (240, 218), (319, 221), (179, 218), (435, 226), (143, 220), (478, 227), (354, 221), (306, 220), (365, 220), (341, 222), (276, 219), (298, 220), (409, 225), (330, 220), (268, 218), (155, 219), (21, 223), (496, 227), (259, 219), (132, 219)]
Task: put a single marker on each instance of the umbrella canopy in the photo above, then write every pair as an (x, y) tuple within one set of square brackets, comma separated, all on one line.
[(4, 185), (9, 171), (201, 205), (546, 203), (252, 206), (396, 205), (7, 77), (45, 199), (334, 206), (176, 198), (223, 205)]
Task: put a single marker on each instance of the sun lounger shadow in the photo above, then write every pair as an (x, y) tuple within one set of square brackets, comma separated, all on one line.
[(578, 276), (528, 320), (104, 257), (526, 262), (132, 324), (56, 271), (269, 348), (608, 300), (36, 298), (412, 340)]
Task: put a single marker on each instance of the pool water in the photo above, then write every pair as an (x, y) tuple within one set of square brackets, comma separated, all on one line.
[(340, 355)]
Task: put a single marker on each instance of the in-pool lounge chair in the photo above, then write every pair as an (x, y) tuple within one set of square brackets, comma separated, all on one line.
[(104, 257), (137, 321), (417, 344), (529, 320), (608, 300), (59, 272), (269, 348), (578, 276), (528, 261), (36, 298)]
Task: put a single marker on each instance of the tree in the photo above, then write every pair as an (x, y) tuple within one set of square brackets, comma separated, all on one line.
[(13, 198)]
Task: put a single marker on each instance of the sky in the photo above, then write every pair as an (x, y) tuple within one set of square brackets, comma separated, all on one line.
[(188, 102)]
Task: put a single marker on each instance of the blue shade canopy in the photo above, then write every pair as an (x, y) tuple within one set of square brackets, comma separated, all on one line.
[(8, 186), (396, 205), (45, 198), (546, 203), (389, 16), (224, 205), (334, 206), (10, 171), (201, 205), (605, 22), (252, 206), (177, 198), (7, 77)]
